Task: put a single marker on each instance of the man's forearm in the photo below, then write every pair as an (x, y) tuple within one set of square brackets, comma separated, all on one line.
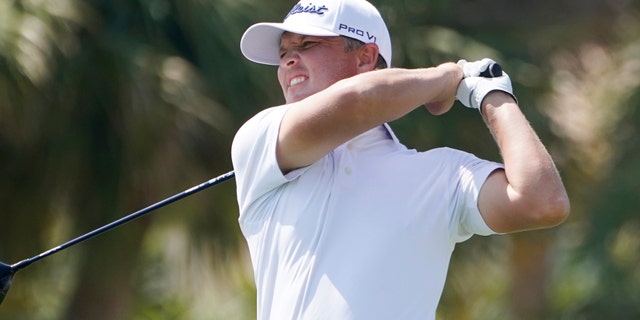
[(529, 169), (391, 93)]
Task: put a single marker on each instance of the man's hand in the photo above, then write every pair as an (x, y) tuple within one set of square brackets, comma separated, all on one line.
[(475, 68), (473, 89)]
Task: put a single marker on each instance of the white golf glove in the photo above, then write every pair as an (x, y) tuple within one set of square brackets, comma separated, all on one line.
[(473, 69), (473, 89)]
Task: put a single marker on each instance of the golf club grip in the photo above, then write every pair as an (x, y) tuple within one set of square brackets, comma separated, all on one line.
[(494, 70)]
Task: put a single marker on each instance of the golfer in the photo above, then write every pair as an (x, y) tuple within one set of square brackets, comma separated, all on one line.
[(342, 220)]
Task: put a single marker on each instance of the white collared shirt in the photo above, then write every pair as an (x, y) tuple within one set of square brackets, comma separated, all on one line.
[(366, 232)]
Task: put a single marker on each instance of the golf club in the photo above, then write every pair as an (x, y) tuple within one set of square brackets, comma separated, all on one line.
[(8, 271), (494, 70)]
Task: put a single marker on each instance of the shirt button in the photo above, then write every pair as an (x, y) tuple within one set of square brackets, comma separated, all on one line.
[(347, 170)]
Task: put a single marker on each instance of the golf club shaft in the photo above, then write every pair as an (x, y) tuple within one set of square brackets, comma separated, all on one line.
[(26, 262)]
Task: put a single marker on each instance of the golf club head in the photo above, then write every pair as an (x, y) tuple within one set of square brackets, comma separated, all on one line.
[(6, 275)]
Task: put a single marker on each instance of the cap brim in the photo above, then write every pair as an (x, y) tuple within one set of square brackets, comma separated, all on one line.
[(261, 42)]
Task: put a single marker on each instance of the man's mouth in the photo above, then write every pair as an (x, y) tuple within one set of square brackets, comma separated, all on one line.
[(296, 81)]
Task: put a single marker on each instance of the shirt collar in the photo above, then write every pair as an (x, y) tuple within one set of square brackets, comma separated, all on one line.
[(379, 133)]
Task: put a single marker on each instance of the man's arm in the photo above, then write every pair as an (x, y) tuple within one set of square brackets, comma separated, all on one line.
[(528, 193), (316, 125)]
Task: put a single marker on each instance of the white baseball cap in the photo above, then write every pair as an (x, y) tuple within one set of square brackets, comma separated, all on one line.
[(357, 19)]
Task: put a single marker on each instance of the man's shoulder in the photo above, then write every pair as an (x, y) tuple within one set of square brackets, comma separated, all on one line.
[(261, 120), (444, 157), (267, 113), (444, 152)]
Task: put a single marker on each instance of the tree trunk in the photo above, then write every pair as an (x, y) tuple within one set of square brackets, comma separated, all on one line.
[(530, 261)]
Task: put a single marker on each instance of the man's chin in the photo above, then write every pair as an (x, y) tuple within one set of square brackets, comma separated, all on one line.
[(291, 100), (295, 98)]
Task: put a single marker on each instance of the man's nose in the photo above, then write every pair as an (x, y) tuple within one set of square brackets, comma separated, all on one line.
[(290, 59)]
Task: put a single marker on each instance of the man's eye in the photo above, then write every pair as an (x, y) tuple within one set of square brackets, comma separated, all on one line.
[(308, 44), (302, 46)]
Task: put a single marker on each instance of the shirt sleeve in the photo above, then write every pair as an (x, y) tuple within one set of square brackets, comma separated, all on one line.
[(469, 174), (253, 153)]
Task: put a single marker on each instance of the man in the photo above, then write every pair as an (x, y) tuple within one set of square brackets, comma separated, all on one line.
[(344, 222)]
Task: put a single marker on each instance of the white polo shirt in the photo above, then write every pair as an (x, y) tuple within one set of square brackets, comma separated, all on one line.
[(365, 233)]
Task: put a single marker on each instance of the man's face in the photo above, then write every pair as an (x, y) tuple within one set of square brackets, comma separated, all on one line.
[(309, 64)]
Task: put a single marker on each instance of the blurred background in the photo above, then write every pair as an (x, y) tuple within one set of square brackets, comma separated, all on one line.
[(109, 106)]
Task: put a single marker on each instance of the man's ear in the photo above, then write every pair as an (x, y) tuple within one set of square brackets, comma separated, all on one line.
[(368, 57)]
